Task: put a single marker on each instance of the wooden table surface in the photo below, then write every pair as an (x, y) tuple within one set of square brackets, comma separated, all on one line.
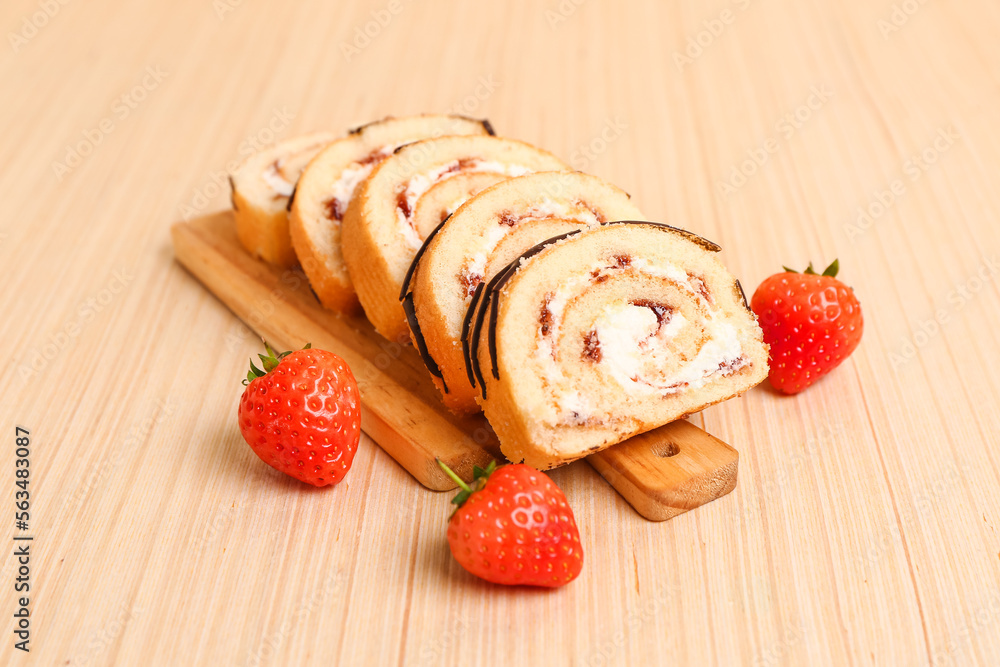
[(864, 529)]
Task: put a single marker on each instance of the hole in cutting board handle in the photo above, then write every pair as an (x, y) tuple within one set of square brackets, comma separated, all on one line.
[(666, 449)]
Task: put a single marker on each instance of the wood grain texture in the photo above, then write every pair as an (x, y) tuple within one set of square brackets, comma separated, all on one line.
[(670, 470), (864, 528)]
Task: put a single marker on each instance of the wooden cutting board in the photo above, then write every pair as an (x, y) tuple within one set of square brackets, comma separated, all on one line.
[(662, 473)]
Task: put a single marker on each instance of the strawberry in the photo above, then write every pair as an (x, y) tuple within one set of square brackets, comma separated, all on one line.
[(514, 526), (301, 414), (812, 323)]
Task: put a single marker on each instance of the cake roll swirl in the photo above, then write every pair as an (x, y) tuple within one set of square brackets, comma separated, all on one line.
[(327, 185), (261, 188), (406, 197), (481, 238), (604, 333)]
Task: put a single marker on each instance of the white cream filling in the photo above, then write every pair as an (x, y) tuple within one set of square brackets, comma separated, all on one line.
[(628, 335), (418, 186), (343, 188), (276, 180), (624, 331), (274, 175), (452, 207), (551, 208), (547, 208)]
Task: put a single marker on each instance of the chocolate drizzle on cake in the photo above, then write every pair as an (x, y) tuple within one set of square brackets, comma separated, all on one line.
[(361, 128), (690, 236), (411, 318), (487, 298), (466, 325), (483, 301), (409, 309), (482, 121), (743, 295)]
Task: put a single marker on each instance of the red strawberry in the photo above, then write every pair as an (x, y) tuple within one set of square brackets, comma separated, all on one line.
[(812, 323), (514, 526), (301, 414)]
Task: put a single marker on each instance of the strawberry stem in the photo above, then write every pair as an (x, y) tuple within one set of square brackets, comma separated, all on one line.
[(830, 271), (479, 477), (451, 473), (269, 362)]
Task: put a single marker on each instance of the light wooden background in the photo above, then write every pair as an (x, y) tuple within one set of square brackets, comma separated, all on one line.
[(864, 529)]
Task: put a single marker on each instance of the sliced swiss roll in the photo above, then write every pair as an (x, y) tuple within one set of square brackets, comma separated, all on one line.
[(261, 186), (604, 333), (408, 195), (484, 235), (328, 183)]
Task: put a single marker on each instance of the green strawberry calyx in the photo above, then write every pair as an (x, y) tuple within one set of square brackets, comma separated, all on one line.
[(269, 361), (479, 477), (830, 271)]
